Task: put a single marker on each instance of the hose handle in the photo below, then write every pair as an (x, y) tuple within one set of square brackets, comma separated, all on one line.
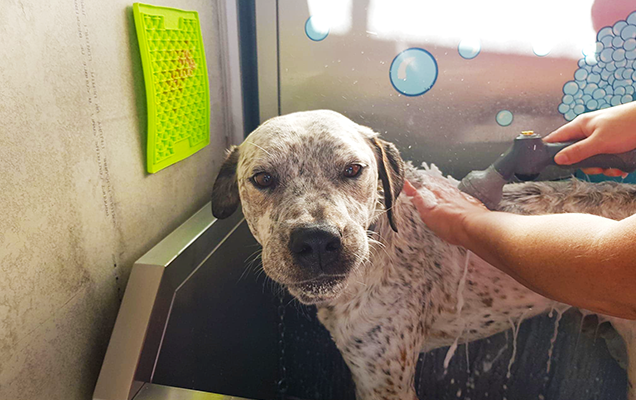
[(626, 161)]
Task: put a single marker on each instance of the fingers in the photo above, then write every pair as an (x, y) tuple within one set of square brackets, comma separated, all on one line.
[(592, 171), (566, 133), (424, 204), (612, 172), (409, 189), (423, 201), (577, 152), (577, 129)]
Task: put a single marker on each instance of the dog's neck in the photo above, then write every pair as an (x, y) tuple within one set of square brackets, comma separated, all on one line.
[(410, 266), (389, 251)]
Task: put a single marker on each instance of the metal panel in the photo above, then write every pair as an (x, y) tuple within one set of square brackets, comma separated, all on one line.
[(135, 341), (267, 52), (221, 335), (204, 244)]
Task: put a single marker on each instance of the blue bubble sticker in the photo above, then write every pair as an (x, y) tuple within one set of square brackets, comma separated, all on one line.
[(504, 117), (606, 76), (469, 48), (413, 72), (316, 29), (541, 48)]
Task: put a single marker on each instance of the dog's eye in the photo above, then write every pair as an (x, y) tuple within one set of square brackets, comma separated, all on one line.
[(352, 170), (263, 180)]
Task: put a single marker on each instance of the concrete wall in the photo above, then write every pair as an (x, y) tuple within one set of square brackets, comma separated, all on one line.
[(76, 205)]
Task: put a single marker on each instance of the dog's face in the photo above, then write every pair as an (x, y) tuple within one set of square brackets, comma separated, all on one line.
[(309, 187)]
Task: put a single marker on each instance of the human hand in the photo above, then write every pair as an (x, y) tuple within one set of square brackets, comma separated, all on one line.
[(608, 131), (445, 210)]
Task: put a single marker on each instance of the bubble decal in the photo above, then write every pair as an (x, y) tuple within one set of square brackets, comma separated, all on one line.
[(541, 49), (469, 48), (413, 72), (606, 75), (316, 29), (504, 118)]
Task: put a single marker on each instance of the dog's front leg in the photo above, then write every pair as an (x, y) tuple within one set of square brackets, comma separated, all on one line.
[(382, 371), (381, 354)]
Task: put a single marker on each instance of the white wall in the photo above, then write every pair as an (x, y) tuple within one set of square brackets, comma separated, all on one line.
[(76, 205)]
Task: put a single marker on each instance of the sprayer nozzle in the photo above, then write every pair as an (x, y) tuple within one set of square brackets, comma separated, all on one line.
[(527, 133)]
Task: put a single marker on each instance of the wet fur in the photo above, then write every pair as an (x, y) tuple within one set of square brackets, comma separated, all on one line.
[(400, 294)]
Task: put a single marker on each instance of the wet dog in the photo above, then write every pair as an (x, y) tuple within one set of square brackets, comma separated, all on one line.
[(321, 194)]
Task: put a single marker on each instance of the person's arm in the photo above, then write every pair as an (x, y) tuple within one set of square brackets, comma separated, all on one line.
[(578, 259)]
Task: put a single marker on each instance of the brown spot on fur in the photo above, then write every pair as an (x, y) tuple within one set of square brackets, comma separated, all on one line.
[(403, 356)]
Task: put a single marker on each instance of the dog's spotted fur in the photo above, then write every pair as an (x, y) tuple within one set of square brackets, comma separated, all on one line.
[(393, 294)]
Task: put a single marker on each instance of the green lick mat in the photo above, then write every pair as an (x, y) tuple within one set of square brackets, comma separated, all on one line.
[(177, 86)]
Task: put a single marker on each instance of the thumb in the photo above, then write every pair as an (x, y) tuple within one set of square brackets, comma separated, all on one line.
[(408, 188), (577, 152)]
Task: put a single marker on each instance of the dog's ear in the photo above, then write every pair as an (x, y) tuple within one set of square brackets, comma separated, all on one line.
[(225, 194), (391, 172)]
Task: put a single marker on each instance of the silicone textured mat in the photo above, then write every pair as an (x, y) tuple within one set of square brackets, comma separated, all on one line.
[(176, 80)]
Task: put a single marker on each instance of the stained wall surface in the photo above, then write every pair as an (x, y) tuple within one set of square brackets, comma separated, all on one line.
[(76, 205)]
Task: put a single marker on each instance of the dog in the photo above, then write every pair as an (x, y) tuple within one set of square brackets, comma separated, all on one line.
[(321, 194)]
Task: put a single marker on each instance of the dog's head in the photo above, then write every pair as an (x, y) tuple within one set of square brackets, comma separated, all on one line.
[(310, 185)]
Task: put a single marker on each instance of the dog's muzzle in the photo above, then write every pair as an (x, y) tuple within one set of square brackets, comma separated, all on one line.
[(317, 248)]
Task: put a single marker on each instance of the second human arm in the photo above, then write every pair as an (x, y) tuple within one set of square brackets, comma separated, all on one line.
[(578, 259)]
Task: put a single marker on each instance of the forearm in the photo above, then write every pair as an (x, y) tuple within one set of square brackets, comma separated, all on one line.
[(579, 259)]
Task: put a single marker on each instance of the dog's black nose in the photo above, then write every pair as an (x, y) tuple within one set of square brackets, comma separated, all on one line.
[(316, 247)]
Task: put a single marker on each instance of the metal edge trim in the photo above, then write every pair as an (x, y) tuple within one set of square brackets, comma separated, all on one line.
[(164, 252), (267, 53), (228, 20), (124, 348), (152, 391)]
